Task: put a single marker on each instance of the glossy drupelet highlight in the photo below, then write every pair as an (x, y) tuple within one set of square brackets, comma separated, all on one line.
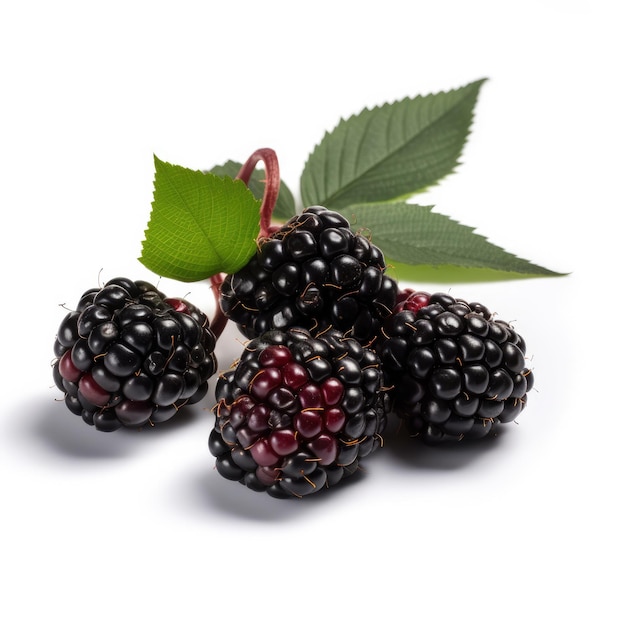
[(298, 412), (454, 371), (129, 356), (313, 272)]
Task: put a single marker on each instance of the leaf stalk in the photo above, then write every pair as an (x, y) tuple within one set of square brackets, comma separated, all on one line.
[(270, 195), (272, 184), (219, 319)]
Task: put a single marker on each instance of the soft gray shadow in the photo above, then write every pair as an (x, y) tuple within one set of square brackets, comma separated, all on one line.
[(49, 425), (209, 492), (413, 452)]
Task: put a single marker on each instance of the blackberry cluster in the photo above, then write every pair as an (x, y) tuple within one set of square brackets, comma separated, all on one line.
[(454, 371), (128, 355), (313, 272), (298, 412)]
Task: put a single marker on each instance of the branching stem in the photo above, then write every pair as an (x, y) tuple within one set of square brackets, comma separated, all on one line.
[(270, 195), (272, 184), (219, 319)]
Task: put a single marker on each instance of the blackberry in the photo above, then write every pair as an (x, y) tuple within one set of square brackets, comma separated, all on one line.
[(313, 272), (128, 355), (298, 412), (454, 371)]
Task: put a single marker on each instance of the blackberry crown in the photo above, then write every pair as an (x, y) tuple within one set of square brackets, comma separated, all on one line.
[(298, 412), (454, 371), (313, 272), (128, 355)]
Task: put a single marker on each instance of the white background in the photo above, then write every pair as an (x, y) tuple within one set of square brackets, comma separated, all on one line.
[(138, 527)]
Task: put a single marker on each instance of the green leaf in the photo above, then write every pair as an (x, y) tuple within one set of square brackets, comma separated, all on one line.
[(285, 205), (391, 151), (200, 224), (413, 238)]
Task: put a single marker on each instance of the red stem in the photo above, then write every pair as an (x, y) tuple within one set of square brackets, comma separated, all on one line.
[(272, 184), (219, 319), (270, 195)]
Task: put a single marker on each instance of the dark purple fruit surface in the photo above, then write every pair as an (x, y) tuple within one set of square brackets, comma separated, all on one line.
[(453, 370), (129, 356), (313, 272), (298, 412)]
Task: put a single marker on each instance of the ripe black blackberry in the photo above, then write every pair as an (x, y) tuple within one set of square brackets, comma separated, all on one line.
[(298, 412), (128, 355), (313, 272), (454, 370)]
